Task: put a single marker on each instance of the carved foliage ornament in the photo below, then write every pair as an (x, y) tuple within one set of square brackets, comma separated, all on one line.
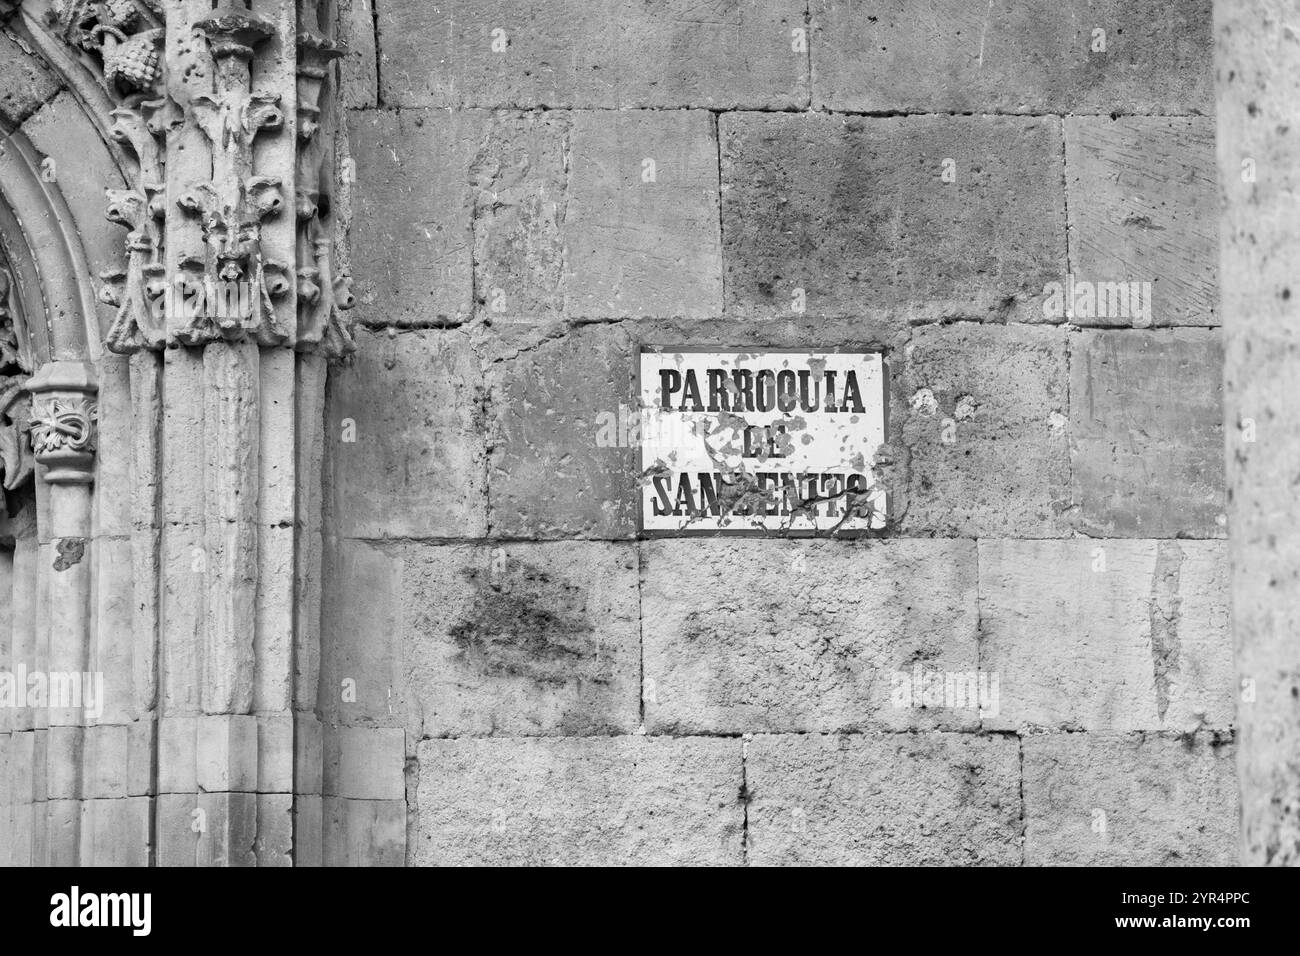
[(63, 420), (62, 428), (126, 39)]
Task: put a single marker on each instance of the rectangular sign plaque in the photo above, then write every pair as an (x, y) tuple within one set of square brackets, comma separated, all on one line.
[(763, 441)]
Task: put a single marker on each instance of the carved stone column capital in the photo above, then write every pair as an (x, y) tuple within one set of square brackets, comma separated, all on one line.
[(63, 421), (235, 284)]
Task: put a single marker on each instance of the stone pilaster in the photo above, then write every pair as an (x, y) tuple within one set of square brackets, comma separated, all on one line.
[(1258, 77), (229, 309)]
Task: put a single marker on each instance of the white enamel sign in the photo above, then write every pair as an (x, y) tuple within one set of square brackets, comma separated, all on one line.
[(772, 441)]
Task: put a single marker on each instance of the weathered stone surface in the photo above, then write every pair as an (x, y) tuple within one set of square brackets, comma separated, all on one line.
[(889, 799), (1116, 800), (593, 53), (225, 749), (274, 846), (642, 223), (856, 213), (1107, 635), (449, 640), (1146, 433), (565, 432), (986, 429), (527, 216), (359, 85), (1142, 198), (595, 801), (365, 763), (522, 638), (364, 832), (361, 602), (1258, 77), (25, 82), (519, 179), (406, 454), (308, 830), (1028, 56), (275, 755), (80, 165), (556, 468), (114, 492), (761, 636), (115, 832), (411, 242)]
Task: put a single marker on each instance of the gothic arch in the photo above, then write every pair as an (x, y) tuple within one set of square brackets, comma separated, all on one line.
[(54, 309)]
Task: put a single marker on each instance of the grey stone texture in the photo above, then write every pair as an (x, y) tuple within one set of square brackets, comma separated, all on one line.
[(987, 430), (509, 676), (1257, 70), (404, 432), (361, 635), (449, 640), (25, 82), (358, 72), (594, 801), (1089, 635), (1129, 800), (1030, 56), (611, 54), (883, 800), (80, 164), (757, 636), (556, 467), (522, 638), (1142, 196), (532, 216), (856, 212), (1146, 433), (642, 221), (411, 241)]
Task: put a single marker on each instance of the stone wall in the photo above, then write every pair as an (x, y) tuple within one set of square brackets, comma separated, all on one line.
[(509, 674)]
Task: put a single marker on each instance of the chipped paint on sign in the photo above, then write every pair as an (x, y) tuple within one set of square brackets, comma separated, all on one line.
[(772, 441)]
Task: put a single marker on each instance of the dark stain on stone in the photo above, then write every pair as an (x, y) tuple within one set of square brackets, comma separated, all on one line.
[(71, 551), (1142, 222), (1165, 611), (530, 622)]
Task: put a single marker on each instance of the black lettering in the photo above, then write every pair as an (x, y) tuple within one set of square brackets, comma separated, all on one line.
[(765, 390), (691, 393), (661, 489), (670, 380), (852, 397), (806, 403), (718, 397), (685, 504), (785, 392), (743, 379)]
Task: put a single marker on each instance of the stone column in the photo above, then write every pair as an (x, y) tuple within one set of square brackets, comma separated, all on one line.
[(63, 440), (1258, 80), (230, 311)]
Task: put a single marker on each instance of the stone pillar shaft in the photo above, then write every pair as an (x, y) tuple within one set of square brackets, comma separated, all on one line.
[(1258, 78)]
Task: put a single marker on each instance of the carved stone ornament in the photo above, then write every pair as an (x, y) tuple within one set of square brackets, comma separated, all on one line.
[(63, 421), (229, 289)]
